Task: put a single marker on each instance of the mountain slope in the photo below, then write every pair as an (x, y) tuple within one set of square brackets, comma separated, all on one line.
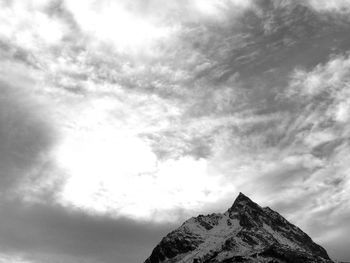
[(244, 233)]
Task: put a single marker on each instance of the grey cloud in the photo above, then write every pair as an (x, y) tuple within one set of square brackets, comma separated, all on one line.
[(328, 148), (252, 57), (338, 244), (8, 51), (330, 229), (25, 136), (173, 144), (253, 49), (56, 9), (38, 231)]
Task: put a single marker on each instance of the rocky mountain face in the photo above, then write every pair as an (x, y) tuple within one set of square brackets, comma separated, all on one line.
[(244, 233)]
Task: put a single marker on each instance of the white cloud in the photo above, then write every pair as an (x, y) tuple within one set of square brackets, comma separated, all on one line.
[(4, 258), (120, 173), (111, 22), (26, 24), (216, 8), (342, 6), (122, 176), (328, 83)]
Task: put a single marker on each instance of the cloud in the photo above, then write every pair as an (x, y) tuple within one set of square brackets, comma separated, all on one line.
[(320, 131), (29, 26), (26, 136), (217, 8), (326, 84), (38, 233), (130, 32), (339, 6), (124, 189)]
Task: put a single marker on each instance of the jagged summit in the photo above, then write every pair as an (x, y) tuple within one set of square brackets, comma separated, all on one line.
[(242, 201), (246, 232), (242, 198)]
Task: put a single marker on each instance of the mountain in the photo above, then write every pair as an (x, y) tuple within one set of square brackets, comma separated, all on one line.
[(244, 233)]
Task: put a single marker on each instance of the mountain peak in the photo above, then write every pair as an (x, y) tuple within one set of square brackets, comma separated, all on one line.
[(243, 201), (242, 198)]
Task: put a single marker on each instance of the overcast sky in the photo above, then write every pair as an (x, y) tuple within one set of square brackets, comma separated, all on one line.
[(120, 119)]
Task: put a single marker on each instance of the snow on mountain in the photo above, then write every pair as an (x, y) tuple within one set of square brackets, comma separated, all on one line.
[(244, 233)]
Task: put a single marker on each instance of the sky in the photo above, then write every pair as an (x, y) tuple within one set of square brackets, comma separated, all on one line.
[(121, 119)]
